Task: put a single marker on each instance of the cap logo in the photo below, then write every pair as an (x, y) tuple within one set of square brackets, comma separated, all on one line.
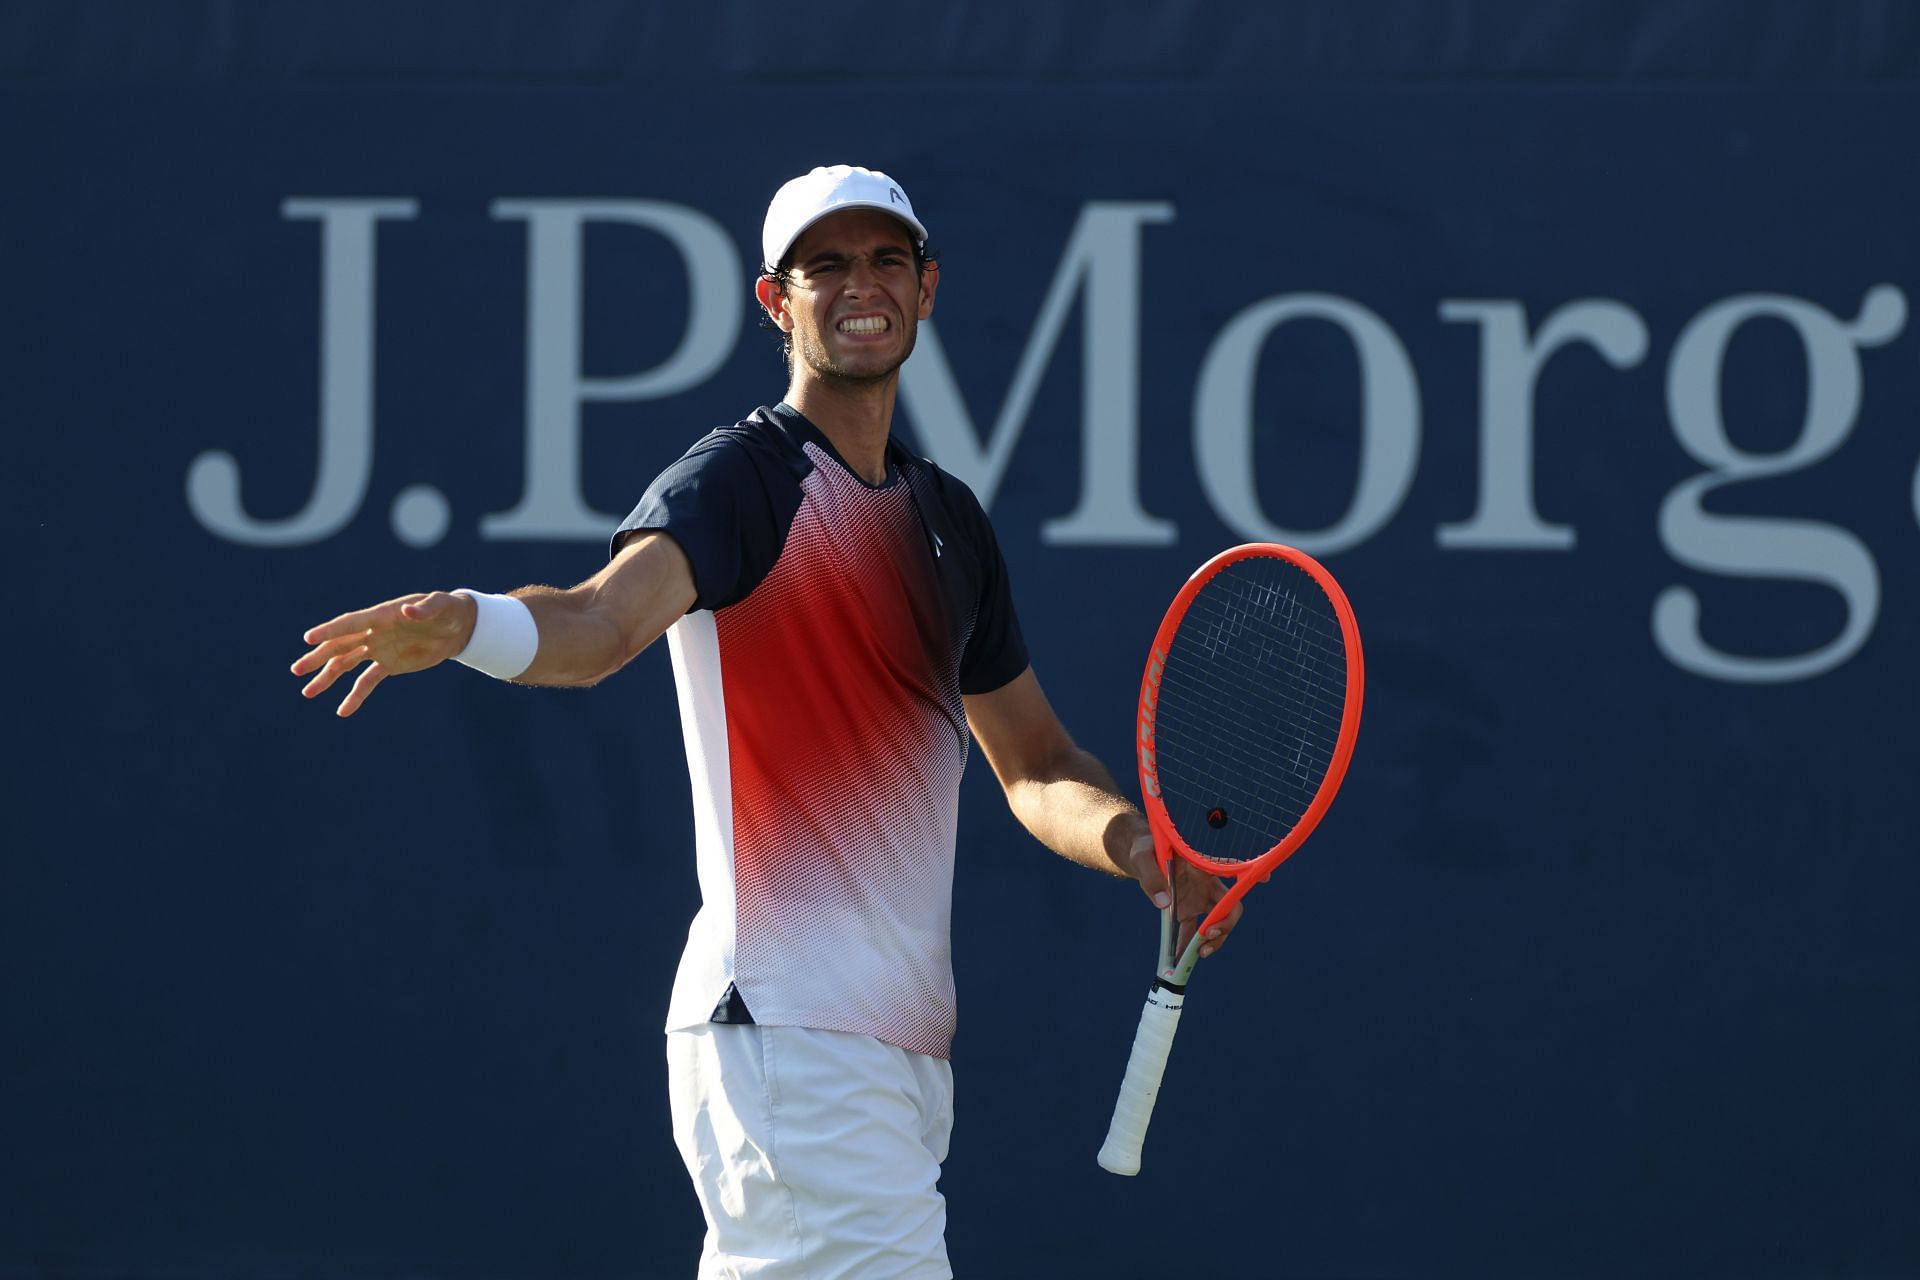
[(893, 193)]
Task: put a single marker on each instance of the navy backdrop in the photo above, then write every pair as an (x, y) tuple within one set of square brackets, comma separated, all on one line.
[(1575, 337)]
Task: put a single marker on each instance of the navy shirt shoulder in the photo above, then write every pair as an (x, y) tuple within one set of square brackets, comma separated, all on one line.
[(963, 537), (730, 500)]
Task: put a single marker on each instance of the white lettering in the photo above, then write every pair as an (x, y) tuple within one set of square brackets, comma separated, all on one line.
[(1797, 550), (1102, 259), (347, 272), (552, 505), (1510, 368), (1389, 421)]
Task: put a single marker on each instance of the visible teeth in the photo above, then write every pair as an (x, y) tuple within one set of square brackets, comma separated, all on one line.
[(864, 324)]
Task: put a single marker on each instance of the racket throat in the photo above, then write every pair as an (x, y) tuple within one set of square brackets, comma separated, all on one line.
[(1174, 971), (1174, 977)]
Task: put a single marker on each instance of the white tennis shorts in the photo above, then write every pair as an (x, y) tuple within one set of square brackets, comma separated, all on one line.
[(814, 1153)]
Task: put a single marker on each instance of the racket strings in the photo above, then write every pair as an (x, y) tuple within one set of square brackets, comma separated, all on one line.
[(1249, 708)]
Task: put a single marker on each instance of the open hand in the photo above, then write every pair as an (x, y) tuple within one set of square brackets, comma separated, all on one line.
[(404, 635)]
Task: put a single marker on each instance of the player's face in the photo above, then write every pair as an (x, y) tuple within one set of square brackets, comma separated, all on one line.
[(854, 300)]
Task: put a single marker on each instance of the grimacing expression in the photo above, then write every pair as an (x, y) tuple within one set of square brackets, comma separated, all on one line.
[(854, 296)]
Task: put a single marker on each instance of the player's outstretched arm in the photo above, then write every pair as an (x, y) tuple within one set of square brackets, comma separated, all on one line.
[(585, 633), (1071, 804)]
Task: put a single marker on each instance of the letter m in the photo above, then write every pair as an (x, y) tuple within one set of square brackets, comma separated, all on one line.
[(1102, 262)]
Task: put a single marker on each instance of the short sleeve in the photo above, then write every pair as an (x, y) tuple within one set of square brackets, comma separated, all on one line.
[(720, 503), (996, 651)]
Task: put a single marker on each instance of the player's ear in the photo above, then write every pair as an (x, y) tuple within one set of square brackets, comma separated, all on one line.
[(773, 300), (929, 281)]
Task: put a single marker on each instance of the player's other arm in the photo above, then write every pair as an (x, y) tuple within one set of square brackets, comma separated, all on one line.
[(1071, 804), (1060, 793), (586, 632)]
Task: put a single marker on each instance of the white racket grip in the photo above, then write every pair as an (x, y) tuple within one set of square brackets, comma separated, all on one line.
[(1141, 1085)]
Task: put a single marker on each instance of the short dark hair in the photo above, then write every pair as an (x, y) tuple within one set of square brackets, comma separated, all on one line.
[(924, 256)]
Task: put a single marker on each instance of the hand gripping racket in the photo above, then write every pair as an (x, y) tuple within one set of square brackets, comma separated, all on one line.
[(1248, 713)]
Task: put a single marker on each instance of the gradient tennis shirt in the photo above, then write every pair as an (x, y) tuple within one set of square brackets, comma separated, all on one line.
[(820, 674)]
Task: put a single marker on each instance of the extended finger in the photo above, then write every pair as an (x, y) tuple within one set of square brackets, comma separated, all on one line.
[(337, 665), (315, 657), (346, 624), (365, 685), (361, 619)]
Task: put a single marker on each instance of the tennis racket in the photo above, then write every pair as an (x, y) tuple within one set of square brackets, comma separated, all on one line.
[(1248, 712)]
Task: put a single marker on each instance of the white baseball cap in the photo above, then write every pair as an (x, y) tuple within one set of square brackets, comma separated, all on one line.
[(829, 189)]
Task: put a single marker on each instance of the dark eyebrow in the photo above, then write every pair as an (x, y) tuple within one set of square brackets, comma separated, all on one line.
[(827, 257)]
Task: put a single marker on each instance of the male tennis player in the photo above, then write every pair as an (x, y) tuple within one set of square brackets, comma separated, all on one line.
[(840, 621)]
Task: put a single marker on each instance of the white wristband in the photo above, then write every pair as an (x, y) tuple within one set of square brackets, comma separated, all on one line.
[(505, 636)]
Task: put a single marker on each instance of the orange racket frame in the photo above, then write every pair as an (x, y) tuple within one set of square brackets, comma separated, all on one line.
[(1166, 840)]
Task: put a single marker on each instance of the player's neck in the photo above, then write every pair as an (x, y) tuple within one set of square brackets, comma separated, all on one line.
[(855, 416)]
